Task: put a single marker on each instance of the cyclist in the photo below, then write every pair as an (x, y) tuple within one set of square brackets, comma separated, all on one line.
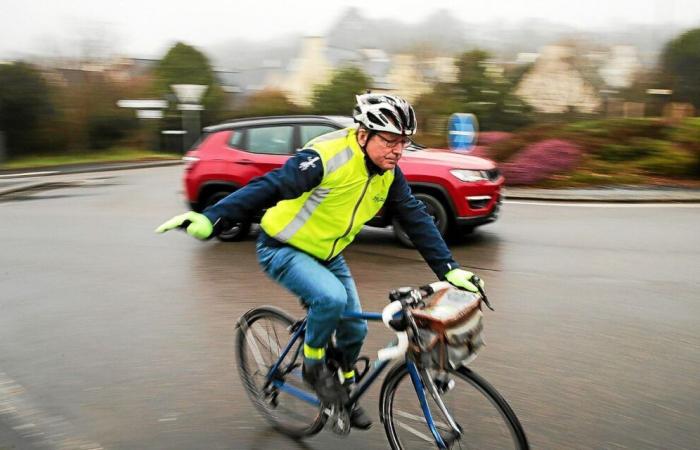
[(317, 202)]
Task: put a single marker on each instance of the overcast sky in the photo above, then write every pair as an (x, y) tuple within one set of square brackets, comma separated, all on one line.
[(146, 28)]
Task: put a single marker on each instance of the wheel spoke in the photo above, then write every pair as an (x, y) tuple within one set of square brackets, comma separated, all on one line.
[(259, 360), (260, 342), (421, 419), (262, 338), (488, 421)]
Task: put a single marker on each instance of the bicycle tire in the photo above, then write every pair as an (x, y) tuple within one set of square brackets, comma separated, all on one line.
[(419, 437), (268, 404)]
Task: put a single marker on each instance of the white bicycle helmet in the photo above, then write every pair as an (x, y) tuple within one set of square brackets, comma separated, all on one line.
[(382, 112)]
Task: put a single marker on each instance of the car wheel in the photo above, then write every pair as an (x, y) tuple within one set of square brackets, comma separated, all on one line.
[(434, 208), (235, 232)]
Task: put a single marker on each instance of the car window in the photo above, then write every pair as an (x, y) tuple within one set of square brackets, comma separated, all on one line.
[(309, 132), (236, 140), (274, 140)]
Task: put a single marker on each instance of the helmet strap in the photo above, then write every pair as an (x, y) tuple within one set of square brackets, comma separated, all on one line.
[(371, 167), (370, 134)]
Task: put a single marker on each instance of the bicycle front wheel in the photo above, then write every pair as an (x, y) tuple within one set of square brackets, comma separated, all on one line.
[(262, 335), (486, 419)]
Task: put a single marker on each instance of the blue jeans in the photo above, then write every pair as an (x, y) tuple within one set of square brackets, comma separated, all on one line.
[(327, 288)]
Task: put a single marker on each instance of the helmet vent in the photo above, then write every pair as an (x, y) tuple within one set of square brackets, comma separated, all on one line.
[(373, 118), (385, 113)]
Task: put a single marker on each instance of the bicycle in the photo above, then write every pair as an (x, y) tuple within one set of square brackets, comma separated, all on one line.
[(445, 415)]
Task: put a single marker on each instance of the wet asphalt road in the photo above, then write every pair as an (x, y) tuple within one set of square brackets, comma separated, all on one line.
[(114, 337)]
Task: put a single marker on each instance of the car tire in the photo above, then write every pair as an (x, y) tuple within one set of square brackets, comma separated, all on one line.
[(434, 208), (236, 232)]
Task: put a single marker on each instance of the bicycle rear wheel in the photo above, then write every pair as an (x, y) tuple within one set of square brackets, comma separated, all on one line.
[(486, 419), (262, 335)]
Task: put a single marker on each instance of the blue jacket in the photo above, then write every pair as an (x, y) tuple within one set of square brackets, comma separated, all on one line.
[(297, 176)]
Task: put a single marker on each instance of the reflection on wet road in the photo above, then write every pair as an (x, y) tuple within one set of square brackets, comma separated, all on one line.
[(114, 337)]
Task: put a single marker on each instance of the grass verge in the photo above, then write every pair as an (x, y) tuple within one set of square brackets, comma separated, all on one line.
[(86, 157)]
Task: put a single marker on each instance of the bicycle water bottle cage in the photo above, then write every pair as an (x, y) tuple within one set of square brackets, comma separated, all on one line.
[(360, 374)]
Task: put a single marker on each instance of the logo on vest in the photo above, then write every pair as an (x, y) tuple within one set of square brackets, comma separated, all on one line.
[(310, 162), (379, 198)]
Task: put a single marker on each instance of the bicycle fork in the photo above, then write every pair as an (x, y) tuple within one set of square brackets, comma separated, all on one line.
[(417, 377)]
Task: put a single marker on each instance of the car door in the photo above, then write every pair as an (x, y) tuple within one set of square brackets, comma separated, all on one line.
[(261, 149)]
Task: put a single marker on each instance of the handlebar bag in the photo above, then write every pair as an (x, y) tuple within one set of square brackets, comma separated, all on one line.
[(451, 325)]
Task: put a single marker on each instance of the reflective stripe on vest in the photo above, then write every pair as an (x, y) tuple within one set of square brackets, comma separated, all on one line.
[(323, 221), (311, 203), (338, 160)]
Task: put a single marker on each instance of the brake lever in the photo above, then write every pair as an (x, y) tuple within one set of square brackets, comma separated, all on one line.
[(476, 281)]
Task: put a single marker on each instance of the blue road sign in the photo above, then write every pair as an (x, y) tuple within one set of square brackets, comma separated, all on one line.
[(462, 131)]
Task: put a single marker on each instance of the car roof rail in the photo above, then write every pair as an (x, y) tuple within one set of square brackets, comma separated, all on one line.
[(234, 123)]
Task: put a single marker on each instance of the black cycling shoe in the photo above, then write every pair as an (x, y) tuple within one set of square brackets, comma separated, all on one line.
[(325, 383), (359, 418)]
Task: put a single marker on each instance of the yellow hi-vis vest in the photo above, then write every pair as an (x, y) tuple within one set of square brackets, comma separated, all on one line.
[(323, 221)]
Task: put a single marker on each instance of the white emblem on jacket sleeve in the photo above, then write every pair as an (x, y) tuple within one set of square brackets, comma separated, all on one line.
[(310, 162)]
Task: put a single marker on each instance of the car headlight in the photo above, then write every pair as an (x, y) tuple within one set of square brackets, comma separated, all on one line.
[(469, 175)]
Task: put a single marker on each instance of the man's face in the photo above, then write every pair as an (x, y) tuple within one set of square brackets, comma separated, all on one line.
[(383, 148)]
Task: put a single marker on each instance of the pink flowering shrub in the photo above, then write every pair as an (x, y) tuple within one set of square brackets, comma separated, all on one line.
[(487, 138), (480, 151), (541, 160)]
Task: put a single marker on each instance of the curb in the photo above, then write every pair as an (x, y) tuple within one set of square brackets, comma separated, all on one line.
[(87, 168), (618, 196), (44, 185)]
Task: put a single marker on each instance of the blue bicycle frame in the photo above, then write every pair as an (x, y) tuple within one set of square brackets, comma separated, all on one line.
[(377, 368)]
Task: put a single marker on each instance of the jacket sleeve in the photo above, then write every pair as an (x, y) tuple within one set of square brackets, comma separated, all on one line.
[(301, 173), (419, 226)]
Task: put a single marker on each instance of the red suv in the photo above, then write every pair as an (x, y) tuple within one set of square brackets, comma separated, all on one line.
[(461, 192)]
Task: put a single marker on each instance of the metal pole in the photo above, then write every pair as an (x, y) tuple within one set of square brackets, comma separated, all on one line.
[(183, 114), (3, 150)]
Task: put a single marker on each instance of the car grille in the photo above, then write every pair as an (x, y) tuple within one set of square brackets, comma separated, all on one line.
[(492, 174)]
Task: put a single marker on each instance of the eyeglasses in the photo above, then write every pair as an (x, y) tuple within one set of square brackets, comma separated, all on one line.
[(403, 142)]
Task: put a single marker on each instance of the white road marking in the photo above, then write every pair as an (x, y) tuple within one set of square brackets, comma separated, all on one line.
[(35, 425), (420, 419), (415, 432)]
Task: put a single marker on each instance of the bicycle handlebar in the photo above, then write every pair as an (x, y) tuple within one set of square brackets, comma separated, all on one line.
[(404, 298), (401, 347)]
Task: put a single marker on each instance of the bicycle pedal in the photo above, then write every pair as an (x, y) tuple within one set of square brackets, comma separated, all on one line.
[(270, 397), (340, 422)]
